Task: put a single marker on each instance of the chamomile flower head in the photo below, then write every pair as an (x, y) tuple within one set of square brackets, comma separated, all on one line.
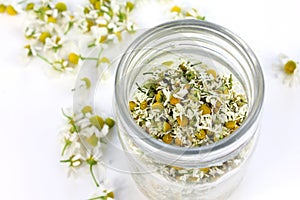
[(177, 12), (287, 69), (103, 193)]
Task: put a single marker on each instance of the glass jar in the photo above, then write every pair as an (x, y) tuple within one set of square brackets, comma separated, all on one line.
[(163, 171)]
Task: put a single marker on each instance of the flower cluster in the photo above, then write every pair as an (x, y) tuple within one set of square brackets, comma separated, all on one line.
[(105, 21), (57, 35), (47, 30), (183, 13), (83, 139)]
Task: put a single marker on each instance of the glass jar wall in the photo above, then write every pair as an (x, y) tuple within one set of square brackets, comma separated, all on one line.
[(213, 171)]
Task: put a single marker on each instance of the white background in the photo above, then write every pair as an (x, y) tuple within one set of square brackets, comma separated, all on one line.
[(31, 99)]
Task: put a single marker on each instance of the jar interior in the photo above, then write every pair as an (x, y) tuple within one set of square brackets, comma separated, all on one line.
[(199, 41), (195, 47)]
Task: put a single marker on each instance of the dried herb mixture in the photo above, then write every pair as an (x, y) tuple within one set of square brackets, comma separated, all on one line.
[(188, 105)]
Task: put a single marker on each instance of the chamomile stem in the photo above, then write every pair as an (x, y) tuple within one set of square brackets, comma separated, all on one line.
[(44, 59), (96, 198), (100, 53), (71, 121), (93, 175), (65, 161), (98, 57), (199, 63), (47, 61), (70, 25), (88, 58), (68, 143), (21, 2)]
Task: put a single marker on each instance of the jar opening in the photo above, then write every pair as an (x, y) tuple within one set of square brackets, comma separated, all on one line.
[(193, 33)]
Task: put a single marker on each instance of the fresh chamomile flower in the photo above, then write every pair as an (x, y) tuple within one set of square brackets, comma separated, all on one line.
[(178, 12), (103, 193), (105, 22), (30, 50), (82, 138), (53, 43), (287, 69)]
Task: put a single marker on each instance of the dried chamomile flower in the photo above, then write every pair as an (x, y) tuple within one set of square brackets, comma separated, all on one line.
[(81, 139), (178, 12), (287, 69)]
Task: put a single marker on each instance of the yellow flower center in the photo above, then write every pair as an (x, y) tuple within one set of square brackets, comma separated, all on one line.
[(201, 134), (129, 6), (11, 10), (87, 109), (205, 109), (93, 1), (2, 8), (51, 19), (60, 6), (212, 72), (176, 9), (44, 36), (111, 195), (110, 122), (103, 39), (290, 67), (74, 58), (97, 121), (29, 6), (97, 5), (93, 140)]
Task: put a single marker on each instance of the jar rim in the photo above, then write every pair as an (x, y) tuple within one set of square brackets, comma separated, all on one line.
[(239, 134)]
